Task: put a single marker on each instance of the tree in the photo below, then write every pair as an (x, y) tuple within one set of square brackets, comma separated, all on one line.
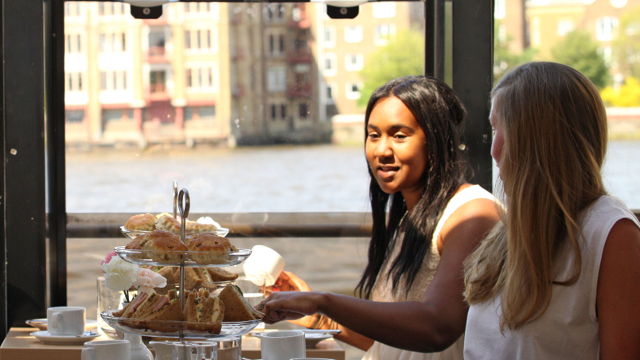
[(627, 95), (580, 51), (505, 59), (402, 56), (627, 45)]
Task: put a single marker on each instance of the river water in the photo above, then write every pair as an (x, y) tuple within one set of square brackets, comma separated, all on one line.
[(321, 178)]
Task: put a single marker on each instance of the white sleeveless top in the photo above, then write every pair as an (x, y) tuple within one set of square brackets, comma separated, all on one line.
[(383, 290), (569, 327)]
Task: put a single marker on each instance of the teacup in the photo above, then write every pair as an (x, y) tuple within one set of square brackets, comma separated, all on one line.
[(283, 345), (106, 350), (265, 263), (66, 320)]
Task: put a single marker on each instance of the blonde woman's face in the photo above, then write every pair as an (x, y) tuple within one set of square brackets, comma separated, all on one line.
[(396, 149), (498, 135)]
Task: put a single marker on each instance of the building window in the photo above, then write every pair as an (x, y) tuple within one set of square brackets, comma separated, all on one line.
[(275, 12), (199, 40), (353, 34), (74, 81), (331, 92), (72, 9), (303, 111), (281, 43), (200, 78), (330, 64), (564, 27), (502, 34), (201, 113), (353, 62), (112, 42), (383, 33), (500, 9), (103, 80), (606, 27), (74, 116), (353, 91), (283, 111), (73, 43), (329, 36), (157, 81), (384, 9), (535, 32), (277, 79), (124, 80), (274, 111)]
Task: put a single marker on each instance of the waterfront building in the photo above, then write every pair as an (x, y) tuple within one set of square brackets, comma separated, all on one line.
[(215, 72)]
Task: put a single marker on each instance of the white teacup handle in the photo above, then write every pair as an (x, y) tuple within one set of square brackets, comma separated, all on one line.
[(88, 353), (56, 319)]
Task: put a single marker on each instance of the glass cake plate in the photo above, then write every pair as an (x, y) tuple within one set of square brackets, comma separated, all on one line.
[(131, 234), (182, 258), (172, 328)]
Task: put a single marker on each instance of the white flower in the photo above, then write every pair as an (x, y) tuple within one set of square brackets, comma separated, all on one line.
[(119, 274), (149, 279)]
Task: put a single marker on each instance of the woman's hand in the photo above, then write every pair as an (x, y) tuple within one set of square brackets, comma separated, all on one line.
[(291, 305)]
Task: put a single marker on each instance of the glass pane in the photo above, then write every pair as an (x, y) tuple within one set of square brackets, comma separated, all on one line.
[(602, 40), (224, 75)]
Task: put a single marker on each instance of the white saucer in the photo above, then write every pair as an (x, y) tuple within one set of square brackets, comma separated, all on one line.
[(42, 323), (47, 338), (312, 339)]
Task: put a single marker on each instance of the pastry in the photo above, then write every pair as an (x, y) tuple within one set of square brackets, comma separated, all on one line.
[(167, 222), (136, 244), (236, 307), (209, 248), (192, 226), (142, 222), (163, 246), (220, 274)]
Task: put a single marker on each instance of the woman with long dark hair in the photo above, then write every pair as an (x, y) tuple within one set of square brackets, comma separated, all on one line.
[(426, 220)]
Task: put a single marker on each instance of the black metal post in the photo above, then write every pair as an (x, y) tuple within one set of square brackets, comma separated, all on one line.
[(24, 160), (473, 79), (55, 150)]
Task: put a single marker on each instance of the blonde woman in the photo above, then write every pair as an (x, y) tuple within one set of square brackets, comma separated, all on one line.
[(559, 276)]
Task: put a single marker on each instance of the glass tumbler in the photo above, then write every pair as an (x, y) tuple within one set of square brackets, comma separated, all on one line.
[(196, 350), (107, 300)]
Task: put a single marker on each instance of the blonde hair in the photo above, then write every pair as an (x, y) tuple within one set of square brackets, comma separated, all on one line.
[(555, 140)]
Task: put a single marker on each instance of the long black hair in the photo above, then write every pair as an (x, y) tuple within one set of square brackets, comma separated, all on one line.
[(438, 110)]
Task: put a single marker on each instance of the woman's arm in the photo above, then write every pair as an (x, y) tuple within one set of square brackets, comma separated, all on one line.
[(288, 281), (617, 300), (427, 326)]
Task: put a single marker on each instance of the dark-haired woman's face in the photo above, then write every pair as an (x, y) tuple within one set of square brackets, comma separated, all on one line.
[(396, 149)]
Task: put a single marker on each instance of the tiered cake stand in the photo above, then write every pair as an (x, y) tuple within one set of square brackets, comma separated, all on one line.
[(181, 259)]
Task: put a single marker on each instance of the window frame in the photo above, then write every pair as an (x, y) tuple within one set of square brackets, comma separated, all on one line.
[(33, 60)]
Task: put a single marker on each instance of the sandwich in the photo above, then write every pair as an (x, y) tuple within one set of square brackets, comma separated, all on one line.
[(204, 312), (236, 307), (166, 315)]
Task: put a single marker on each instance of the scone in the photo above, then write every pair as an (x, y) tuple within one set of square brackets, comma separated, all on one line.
[(220, 274), (167, 222), (164, 247), (195, 227), (209, 248), (142, 222), (136, 244)]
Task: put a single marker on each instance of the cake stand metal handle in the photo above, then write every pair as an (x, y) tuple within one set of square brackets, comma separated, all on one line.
[(183, 206)]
